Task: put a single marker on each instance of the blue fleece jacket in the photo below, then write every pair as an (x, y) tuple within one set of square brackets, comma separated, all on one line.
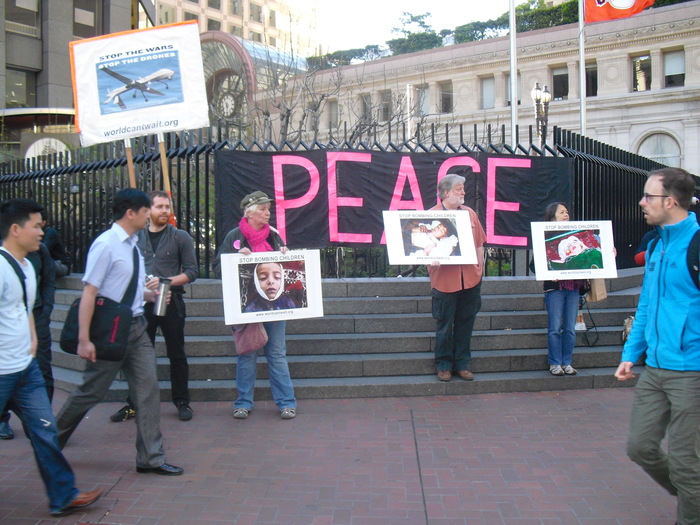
[(667, 323)]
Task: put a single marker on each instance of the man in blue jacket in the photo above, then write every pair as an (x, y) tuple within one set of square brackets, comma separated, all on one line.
[(667, 327)]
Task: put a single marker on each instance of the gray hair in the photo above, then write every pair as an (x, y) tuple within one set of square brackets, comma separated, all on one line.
[(252, 209), (447, 183)]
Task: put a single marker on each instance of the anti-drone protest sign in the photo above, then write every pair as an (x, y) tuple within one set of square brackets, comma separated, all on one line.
[(140, 82)]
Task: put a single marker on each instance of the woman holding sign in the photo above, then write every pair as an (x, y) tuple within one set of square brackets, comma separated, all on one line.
[(561, 298), (254, 234)]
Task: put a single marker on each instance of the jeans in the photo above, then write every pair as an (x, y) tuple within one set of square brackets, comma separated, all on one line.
[(562, 308), (139, 367), (454, 315), (25, 394), (172, 326), (43, 351), (280, 381), (668, 402), (43, 357)]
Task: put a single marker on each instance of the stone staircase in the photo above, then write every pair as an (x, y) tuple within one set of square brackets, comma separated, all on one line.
[(376, 340)]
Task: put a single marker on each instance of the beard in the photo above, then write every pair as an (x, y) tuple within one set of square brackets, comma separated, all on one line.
[(160, 220)]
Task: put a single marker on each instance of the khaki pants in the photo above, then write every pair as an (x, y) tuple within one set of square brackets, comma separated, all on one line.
[(668, 402)]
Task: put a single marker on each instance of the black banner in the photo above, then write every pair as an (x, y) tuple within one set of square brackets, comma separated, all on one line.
[(324, 197)]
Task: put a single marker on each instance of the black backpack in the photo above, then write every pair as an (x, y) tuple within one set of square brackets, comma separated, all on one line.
[(692, 257)]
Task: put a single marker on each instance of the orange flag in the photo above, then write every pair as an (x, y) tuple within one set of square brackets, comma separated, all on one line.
[(599, 10)]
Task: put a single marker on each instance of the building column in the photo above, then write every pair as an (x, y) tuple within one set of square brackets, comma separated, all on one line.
[(573, 71), (657, 70), (501, 95), (690, 149)]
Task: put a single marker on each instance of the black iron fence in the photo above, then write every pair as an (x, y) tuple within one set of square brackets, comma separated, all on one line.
[(77, 187)]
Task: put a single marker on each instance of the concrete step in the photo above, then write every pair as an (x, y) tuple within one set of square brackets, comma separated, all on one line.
[(390, 286), (377, 338), (400, 363), (380, 323), (379, 386)]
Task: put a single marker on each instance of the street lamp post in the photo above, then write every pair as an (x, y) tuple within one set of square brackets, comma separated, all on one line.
[(541, 99)]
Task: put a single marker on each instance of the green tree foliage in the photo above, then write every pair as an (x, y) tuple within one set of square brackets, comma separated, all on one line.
[(408, 20), (415, 42), (344, 57), (528, 17), (662, 3), (531, 15)]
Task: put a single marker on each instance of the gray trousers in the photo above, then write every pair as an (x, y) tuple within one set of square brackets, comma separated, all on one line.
[(139, 368), (668, 402)]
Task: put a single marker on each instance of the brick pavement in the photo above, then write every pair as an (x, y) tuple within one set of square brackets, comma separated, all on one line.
[(514, 459)]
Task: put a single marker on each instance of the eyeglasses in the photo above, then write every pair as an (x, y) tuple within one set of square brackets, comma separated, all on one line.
[(648, 196)]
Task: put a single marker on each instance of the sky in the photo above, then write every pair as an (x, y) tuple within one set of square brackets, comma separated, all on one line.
[(363, 22)]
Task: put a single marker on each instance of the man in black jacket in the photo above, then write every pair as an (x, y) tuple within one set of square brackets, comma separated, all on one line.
[(168, 253)]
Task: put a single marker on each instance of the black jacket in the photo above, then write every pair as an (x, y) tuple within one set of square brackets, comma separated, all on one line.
[(228, 246)]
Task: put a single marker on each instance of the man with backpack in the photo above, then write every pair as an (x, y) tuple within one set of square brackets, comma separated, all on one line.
[(22, 386), (667, 328)]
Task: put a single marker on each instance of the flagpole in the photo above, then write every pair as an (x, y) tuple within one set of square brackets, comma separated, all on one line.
[(582, 65), (582, 95), (513, 76)]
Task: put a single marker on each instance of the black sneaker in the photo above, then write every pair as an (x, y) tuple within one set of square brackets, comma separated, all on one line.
[(124, 413), (184, 412)]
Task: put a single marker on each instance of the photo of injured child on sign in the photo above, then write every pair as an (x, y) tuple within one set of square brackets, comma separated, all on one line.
[(270, 286), (420, 237), (573, 250)]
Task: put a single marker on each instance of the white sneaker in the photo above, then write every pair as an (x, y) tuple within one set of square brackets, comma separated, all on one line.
[(569, 370), (556, 370)]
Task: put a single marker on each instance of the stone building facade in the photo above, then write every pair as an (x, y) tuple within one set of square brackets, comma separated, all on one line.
[(643, 85)]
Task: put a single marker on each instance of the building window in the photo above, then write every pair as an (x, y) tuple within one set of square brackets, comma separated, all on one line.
[(86, 18), (365, 107), (235, 7), (22, 16), (560, 83), (236, 30), (213, 25), (166, 15), (214, 4), (256, 12), (662, 148), (191, 16), (488, 93), (273, 18), (385, 106), (446, 98), (592, 80), (20, 88), (520, 89), (332, 112), (674, 68), (422, 100), (271, 41), (255, 36), (641, 73)]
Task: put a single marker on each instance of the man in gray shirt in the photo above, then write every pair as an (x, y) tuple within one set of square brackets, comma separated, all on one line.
[(168, 253), (110, 266)]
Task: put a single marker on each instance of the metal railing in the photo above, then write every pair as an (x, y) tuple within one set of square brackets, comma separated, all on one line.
[(77, 188)]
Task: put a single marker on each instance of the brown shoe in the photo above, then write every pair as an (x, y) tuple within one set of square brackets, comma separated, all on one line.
[(466, 375), (81, 500), (444, 375)]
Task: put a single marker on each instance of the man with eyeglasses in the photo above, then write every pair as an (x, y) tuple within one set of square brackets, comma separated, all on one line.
[(667, 328)]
